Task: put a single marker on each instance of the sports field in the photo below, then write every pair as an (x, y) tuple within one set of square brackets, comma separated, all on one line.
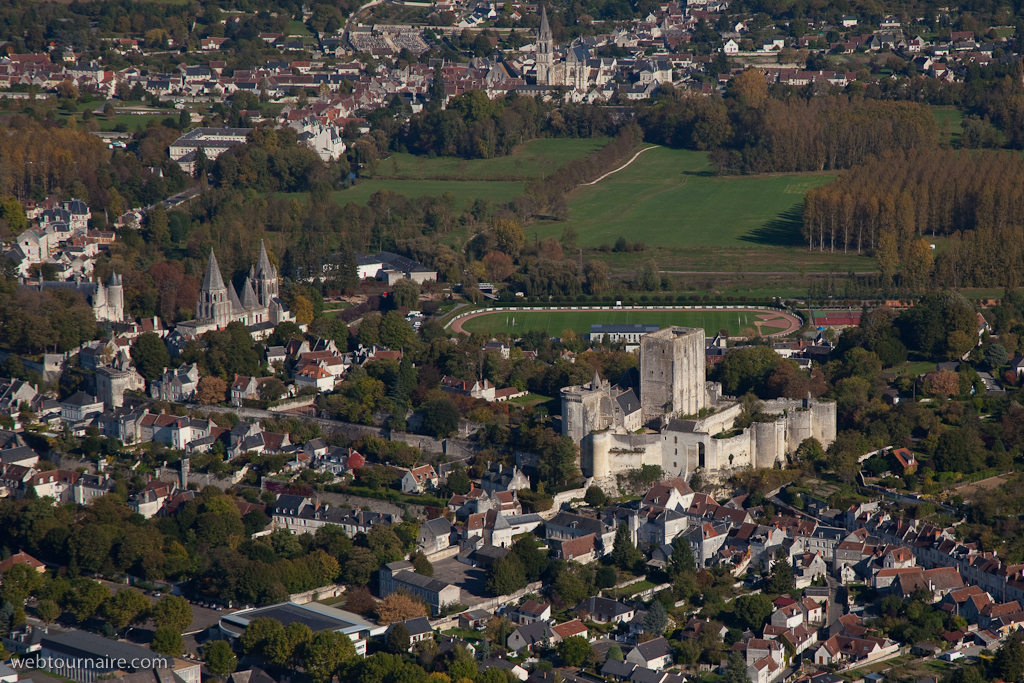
[(516, 322), (535, 159), (668, 198)]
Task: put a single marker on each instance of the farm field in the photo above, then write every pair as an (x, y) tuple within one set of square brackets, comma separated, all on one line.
[(737, 322), (535, 159), (668, 198), (690, 220)]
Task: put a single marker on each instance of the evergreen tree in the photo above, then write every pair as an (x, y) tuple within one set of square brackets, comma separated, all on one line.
[(624, 554), (681, 562), (656, 619), (736, 670), (782, 574), (1009, 660)]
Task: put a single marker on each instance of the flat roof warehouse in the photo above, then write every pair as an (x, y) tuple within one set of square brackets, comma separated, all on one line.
[(82, 657), (317, 617)]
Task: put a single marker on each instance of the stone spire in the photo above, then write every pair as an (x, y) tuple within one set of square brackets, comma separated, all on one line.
[(212, 280), (236, 305), (545, 51), (596, 382), (249, 299), (263, 267), (264, 278)]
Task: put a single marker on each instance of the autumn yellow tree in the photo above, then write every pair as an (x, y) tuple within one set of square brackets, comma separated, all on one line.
[(303, 309), (750, 88), (888, 256), (917, 265), (509, 237), (155, 36), (943, 383), (399, 607), (211, 390)]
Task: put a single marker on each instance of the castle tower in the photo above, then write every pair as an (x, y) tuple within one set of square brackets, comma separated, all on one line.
[(545, 50), (672, 372), (214, 304), (264, 278), (115, 298)]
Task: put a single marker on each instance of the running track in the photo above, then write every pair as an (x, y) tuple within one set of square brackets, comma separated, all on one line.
[(793, 323)]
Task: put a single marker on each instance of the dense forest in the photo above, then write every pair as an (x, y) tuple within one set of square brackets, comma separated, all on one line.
[(888, 204)]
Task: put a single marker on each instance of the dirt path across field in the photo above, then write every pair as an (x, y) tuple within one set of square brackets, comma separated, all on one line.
[(595, 182), (770, 319)]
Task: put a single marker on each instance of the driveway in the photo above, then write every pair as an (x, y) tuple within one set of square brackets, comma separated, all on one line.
[(835, 610)]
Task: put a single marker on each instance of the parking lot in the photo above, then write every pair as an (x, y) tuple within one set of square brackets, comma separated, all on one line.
[(202, 617), (472, 580)]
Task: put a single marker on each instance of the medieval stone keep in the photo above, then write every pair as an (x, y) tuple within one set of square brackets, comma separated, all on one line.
[(689, 424)]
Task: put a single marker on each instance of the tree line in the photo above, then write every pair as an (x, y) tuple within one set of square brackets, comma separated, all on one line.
[(751, 132), (888, 204)]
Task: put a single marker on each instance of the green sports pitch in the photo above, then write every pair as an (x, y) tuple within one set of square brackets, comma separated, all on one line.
[(739, 322)]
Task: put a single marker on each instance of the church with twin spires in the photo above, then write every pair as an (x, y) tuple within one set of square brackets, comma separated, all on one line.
[(259, 304)]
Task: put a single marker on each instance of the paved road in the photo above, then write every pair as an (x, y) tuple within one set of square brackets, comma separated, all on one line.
[(176, 199), (835, 610), (354, 16)]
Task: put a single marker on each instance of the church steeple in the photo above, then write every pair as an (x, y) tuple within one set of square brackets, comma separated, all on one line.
[(264, 278), (214, 304), (264, 268), (545, 49), (212, 280)]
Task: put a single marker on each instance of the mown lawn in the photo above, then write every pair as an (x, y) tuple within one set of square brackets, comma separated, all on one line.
[(668, 198)]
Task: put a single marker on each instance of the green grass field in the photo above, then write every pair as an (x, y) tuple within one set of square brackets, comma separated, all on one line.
[(535, 159), (668, 197), (951, 114), (738, 322)]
